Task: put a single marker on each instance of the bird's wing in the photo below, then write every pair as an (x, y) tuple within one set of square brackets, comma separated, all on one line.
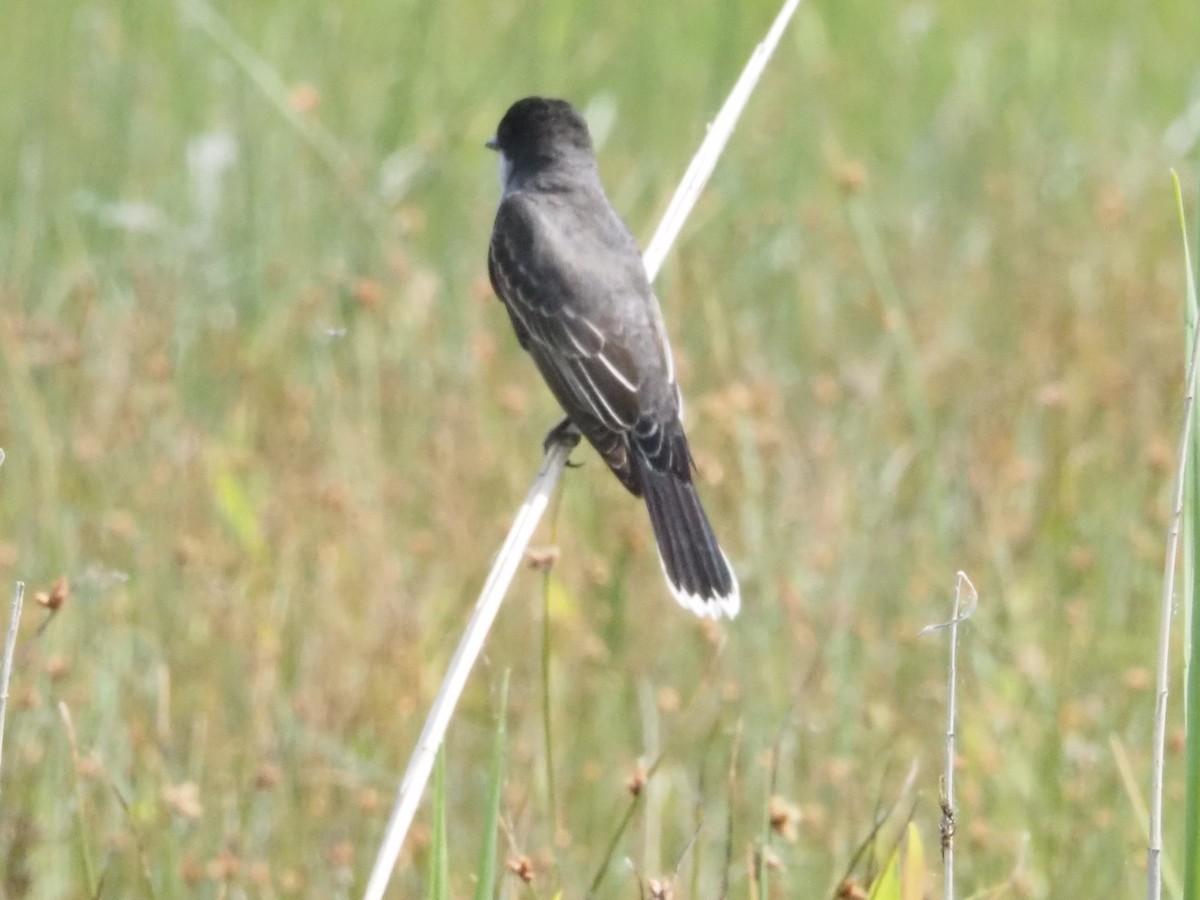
[(553, 310)]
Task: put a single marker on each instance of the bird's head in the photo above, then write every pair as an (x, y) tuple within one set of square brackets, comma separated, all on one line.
[(538, 133)]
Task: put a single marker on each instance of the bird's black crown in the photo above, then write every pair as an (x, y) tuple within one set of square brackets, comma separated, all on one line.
[(541, 129)]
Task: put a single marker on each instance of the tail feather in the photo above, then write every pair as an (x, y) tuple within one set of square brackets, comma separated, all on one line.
[(698, 573)]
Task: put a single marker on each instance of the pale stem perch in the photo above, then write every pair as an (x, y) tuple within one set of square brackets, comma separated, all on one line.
[(963, 589), (10, 646), (1158, 757), (421, 763), (947, 825), (705, 160), (412, 786)]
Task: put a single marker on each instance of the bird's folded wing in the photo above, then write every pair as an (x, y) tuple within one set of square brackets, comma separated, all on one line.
[(547, 301)]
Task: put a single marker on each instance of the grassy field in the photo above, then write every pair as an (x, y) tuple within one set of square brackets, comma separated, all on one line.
[(262, 412)]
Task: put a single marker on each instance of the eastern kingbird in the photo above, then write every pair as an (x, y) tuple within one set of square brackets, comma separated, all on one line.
[(571, 277)]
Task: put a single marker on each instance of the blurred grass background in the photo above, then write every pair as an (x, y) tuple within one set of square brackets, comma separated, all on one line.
[(262, 412)]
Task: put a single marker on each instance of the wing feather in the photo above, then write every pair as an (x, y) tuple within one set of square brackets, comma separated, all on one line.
[(589, 373)]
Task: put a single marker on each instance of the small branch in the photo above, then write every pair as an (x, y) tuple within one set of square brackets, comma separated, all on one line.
[(10, 646), (963, 588)]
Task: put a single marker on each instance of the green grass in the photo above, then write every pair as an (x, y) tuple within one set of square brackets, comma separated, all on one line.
[(273, 536)]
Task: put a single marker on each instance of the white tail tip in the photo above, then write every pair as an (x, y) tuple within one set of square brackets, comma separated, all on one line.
[(707, 607)]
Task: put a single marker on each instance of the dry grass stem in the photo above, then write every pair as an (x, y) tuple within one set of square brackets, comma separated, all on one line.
[(513, 551), (964, 590), (1158, 758), (421, 763), (705, 160), (10, 646)]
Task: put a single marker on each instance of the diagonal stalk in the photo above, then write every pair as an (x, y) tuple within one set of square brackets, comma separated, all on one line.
[(417, 774)]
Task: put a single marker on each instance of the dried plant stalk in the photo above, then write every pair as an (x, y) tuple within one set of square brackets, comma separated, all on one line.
[(421, 763)]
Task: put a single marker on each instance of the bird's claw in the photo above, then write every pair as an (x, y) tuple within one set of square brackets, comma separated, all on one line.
[(564, 434)]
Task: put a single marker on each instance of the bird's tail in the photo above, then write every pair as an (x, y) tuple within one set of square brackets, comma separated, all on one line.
[(697, 571)]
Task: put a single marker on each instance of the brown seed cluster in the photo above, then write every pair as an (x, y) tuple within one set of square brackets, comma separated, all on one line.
[(522, 867), (542, 559), (784, 818), (636, 781), (54, 598), (183, 800)]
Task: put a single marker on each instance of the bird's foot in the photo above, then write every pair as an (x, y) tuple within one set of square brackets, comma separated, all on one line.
[(563, 434)]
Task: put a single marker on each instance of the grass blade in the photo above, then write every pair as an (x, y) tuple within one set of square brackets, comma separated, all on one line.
[(439, 853), (912, 878), (887, 885), (485, 881), (86, 861)]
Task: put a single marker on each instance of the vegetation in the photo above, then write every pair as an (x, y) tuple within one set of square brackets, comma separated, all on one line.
[(263, 415)]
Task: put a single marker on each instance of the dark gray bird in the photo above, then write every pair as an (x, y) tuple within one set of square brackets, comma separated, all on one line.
[(571, 277)]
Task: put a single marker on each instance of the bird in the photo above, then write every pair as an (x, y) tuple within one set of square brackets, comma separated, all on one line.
[(570, 274)]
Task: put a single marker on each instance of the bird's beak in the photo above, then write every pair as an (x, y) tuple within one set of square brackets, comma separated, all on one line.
[(491, 144)]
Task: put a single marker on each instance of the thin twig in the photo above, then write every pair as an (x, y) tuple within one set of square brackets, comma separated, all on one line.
[(860, 851), (691, 842), (731, 803), (948, 824), (1154, 845), (613, 841), (881, 819), (1012, 884), (85, 849), (505, 566), (10, 646)]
